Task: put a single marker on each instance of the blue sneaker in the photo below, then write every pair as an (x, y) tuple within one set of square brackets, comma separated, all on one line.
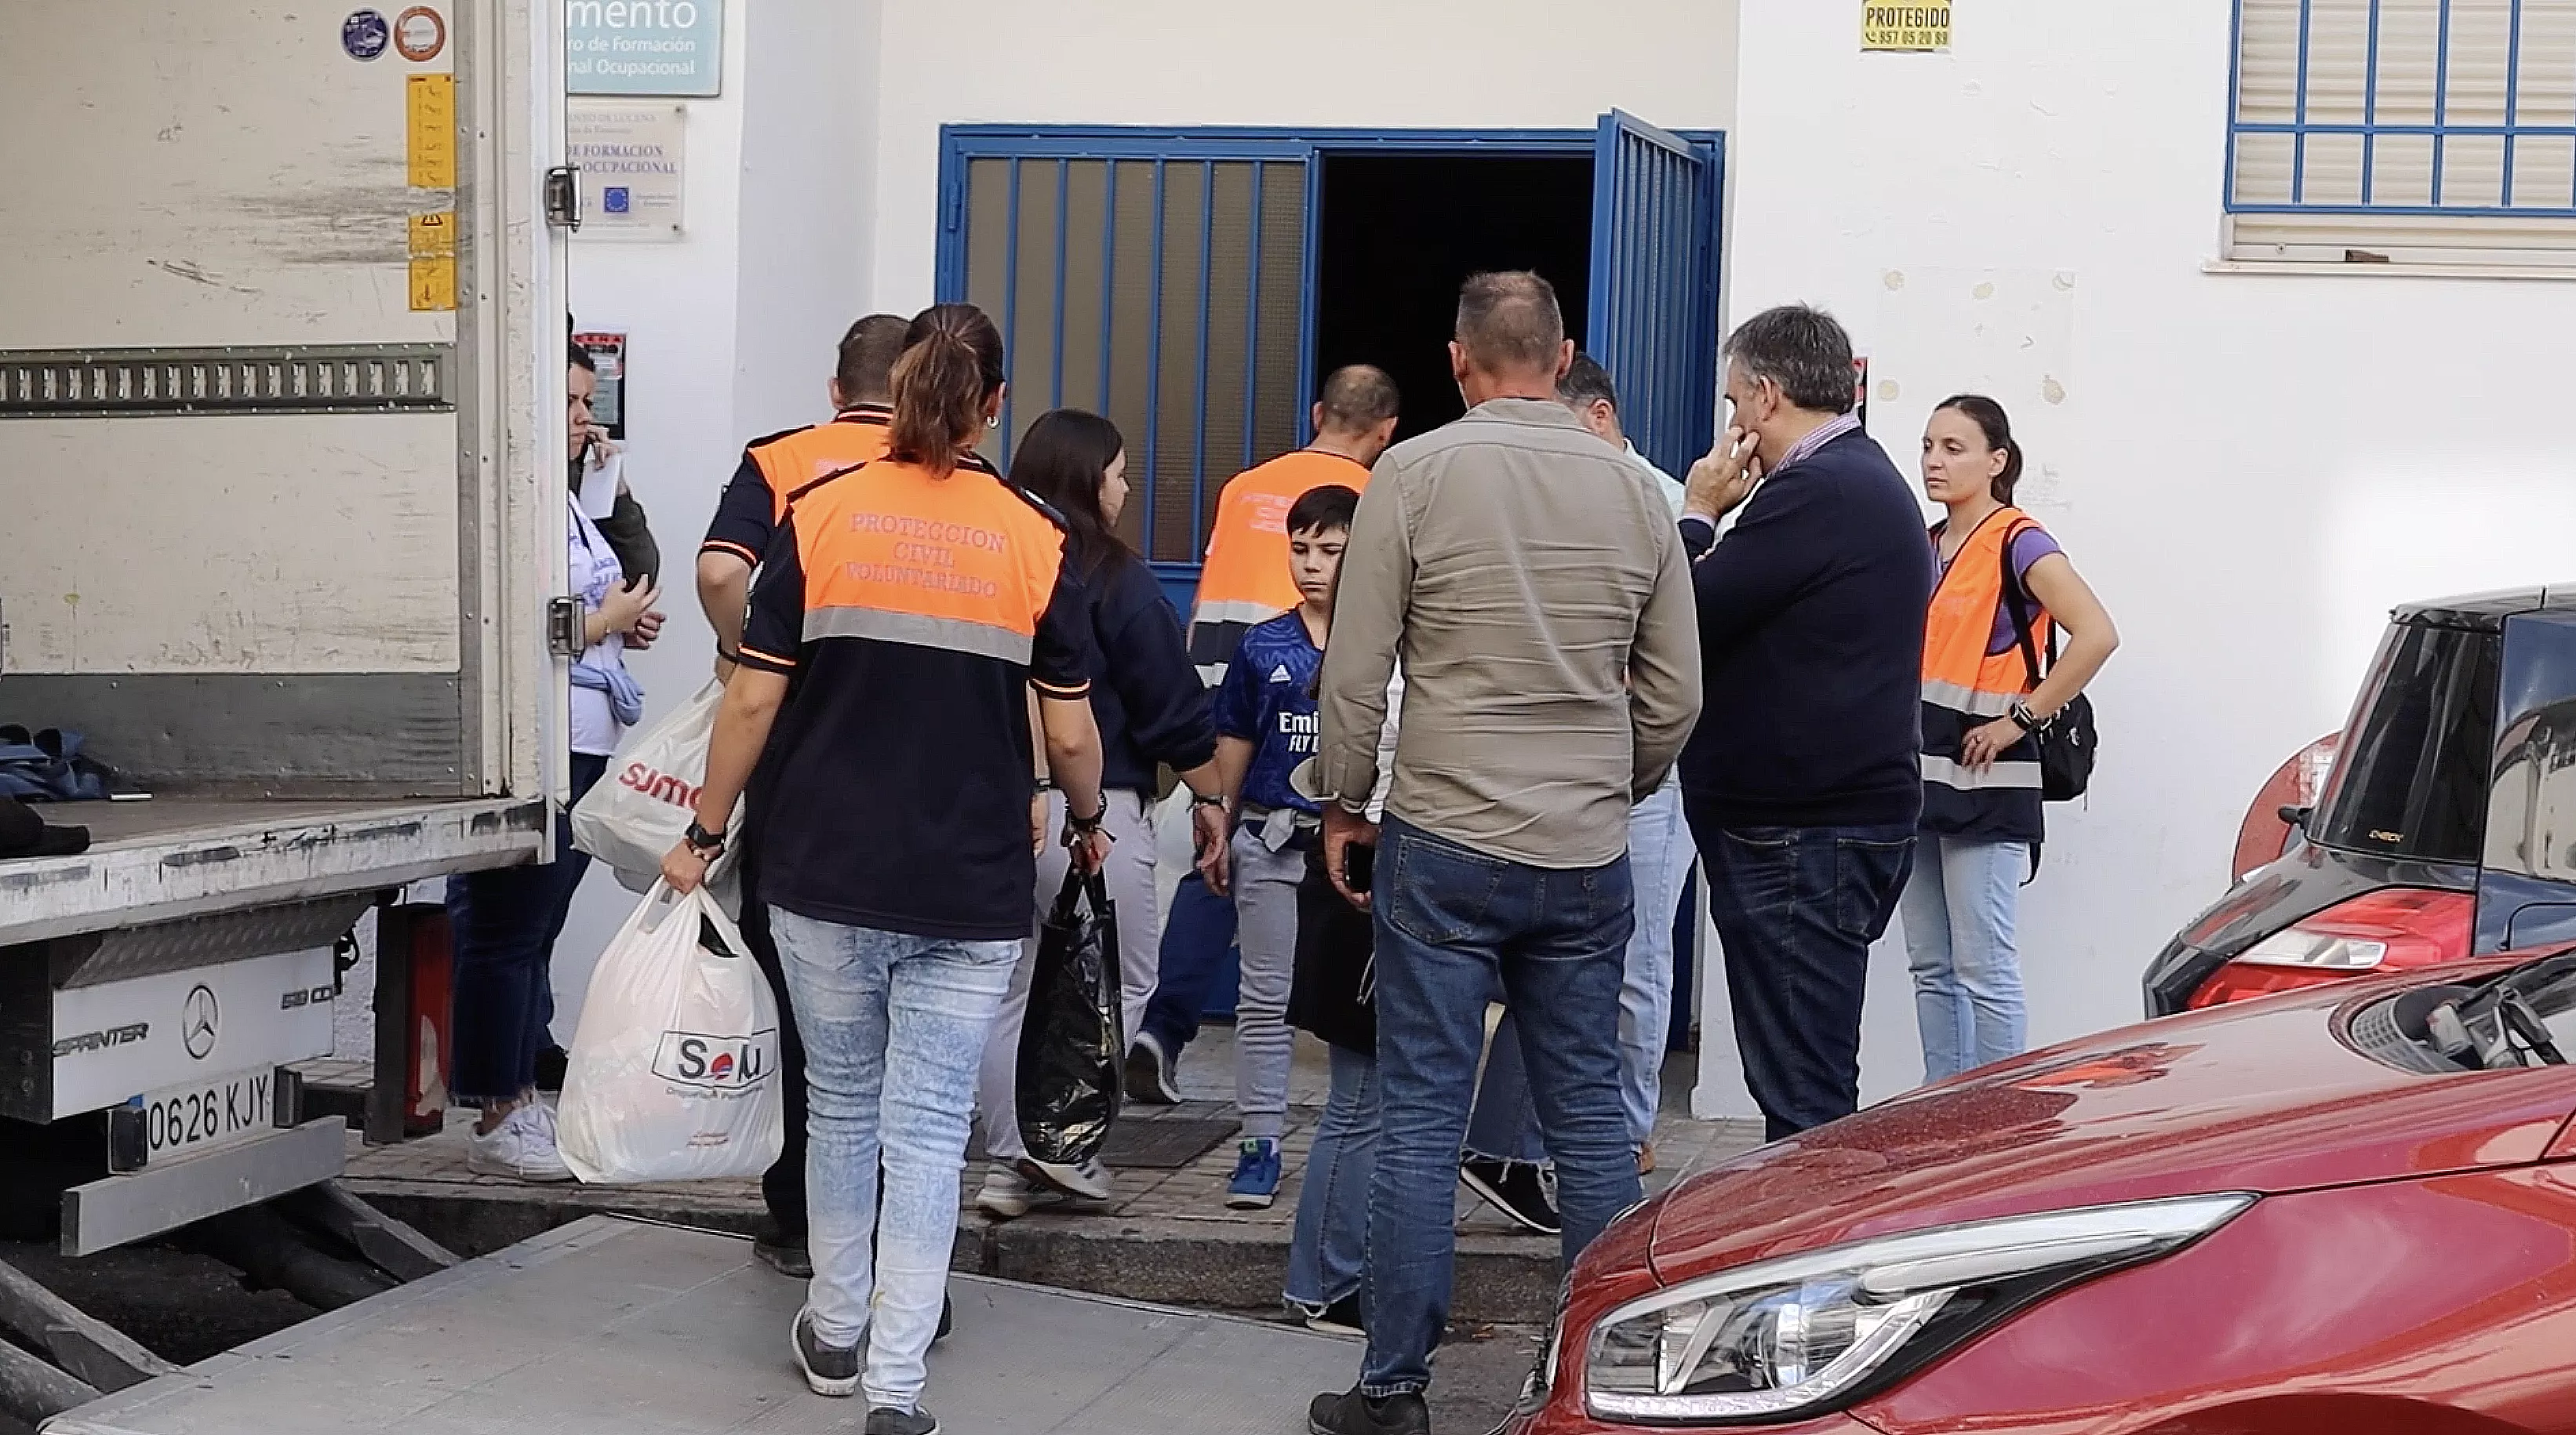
[(1256, 1175)]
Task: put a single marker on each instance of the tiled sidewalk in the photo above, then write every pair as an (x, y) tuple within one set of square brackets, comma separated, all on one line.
[(1164, 1235)]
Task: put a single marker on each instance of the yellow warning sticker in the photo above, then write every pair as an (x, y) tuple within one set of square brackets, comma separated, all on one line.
[(433, 282), (433, 235), (430, 103), (1915, 29)]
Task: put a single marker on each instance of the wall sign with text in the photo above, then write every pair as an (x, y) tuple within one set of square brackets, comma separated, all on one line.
[(643, 47), (1913, 29), (633, 155)]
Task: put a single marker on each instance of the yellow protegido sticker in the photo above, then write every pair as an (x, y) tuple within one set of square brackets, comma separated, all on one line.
[(430, 109), (433, 282), (1922, 29)]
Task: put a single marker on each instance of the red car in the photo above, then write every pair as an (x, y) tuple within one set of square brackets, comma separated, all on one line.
[(2440, 824), (2345, 1209)]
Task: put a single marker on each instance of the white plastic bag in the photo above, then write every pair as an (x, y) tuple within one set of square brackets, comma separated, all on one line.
[(636, 814), (674, 1067)]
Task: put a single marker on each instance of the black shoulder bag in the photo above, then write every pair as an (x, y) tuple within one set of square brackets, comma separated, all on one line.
[(2066, 740)]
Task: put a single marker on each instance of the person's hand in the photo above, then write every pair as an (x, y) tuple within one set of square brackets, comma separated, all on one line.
[(1344, 828), (599, 448), (646, 629), (626, 606), (1979, 749), (684, 868), (1723, 478), (1211, 837), (1088, 850), (1038, 821)]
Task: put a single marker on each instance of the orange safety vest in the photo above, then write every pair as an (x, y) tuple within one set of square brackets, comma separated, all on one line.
[(1245, 579), (1966, 687), (796, 459)]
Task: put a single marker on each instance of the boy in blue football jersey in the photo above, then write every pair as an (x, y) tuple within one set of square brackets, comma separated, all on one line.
[(1266, 724)]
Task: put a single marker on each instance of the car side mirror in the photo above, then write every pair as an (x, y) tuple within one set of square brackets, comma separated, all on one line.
[(2297, 816)]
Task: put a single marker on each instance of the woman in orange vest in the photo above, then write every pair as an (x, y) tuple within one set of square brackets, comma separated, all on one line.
[(1984, 703), (904, 612)]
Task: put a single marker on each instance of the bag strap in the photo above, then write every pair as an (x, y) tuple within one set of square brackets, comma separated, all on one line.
[(1094, 887), (2020, 606)]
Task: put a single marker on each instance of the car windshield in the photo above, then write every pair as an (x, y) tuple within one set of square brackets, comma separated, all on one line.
[(2412, 779)]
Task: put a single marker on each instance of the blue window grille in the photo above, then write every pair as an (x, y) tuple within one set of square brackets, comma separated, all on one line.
[(2415, 112), (1166, 279)]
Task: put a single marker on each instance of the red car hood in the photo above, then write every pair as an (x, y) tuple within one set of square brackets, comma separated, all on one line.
[(2259, 1096)]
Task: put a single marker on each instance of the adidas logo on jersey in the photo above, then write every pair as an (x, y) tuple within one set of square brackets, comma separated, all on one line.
[(1280, 674)]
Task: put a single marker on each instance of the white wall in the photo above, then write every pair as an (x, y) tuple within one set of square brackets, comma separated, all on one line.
[(732, 328), (1227, 62), (2249, 469)]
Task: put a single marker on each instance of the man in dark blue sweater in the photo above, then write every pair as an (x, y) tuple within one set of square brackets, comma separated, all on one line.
[(1802, 782)]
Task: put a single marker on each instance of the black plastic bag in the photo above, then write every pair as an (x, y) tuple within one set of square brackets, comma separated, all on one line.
[(1069, 1048)]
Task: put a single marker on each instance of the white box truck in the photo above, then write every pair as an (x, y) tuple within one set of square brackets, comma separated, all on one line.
[(281, 537)]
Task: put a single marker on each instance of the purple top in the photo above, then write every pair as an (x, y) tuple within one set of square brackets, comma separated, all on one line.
[(2028, 547)]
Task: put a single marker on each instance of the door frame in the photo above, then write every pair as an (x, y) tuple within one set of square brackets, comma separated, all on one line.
[(961, 143)]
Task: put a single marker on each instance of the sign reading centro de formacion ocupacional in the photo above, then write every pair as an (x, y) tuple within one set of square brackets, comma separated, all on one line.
[(1922, 29), (643, 47)]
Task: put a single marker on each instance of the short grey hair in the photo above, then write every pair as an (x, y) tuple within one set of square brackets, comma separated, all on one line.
[(1587, 383), (1801, 349), (1509, 321)]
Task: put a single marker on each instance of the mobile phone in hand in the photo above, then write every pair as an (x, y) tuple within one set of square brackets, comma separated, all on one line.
[(1359, 866)]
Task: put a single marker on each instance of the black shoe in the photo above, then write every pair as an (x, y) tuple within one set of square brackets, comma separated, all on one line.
[(783, 1254), (1149, 1078), (947, 1320), (550, 1069), (827, 1371), (1351, 1413), (886, 1420), (1342, 1317), (1522, 1190)]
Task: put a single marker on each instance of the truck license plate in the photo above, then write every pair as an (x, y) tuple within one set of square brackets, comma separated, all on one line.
[(216, 1112)]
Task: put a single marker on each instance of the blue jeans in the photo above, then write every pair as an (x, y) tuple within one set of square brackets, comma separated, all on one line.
[(502, 926), (1449, 922), (1196, 938), (1796, 909), (1659, 857), (1329, 1250), (1959, 907), (894, 1028)]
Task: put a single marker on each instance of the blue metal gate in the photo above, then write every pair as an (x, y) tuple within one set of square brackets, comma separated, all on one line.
[(1654, 284)]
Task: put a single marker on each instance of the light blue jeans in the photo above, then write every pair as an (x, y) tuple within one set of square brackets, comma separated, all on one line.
[(1958, 910), (1329, 1250), (893, 1028), (1659, 857)]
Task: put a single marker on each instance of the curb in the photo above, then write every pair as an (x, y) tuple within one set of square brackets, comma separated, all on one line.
[(1165, 1260)]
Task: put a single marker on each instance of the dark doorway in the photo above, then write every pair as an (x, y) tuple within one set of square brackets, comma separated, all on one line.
[(1396, 236)]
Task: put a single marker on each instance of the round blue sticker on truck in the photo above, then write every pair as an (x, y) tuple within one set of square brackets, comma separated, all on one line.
[(365, 34)]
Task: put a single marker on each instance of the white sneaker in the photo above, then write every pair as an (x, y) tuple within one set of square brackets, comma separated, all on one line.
[(1088, 1181), (521, 1147), (1005, 1195)]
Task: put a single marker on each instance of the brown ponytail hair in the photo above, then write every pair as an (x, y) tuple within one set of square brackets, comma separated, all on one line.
[(1989, 418), (950, 369)]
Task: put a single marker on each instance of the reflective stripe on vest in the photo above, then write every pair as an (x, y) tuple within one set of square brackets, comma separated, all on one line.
[(1964, 686), (894, 554), (795, 461), (1245, 579)]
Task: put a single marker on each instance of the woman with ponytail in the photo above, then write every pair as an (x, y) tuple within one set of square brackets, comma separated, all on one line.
[(917, 601), (1985, 700)]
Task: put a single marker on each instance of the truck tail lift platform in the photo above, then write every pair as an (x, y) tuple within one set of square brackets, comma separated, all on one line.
[(617, 1327)]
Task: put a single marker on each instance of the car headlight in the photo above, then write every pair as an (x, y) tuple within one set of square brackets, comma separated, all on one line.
[(1791, 1337)]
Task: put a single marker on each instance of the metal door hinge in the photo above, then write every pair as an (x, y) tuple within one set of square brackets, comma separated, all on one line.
[(563, 196), (564, 627)]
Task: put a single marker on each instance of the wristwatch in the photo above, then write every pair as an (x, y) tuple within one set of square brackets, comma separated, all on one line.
[(701, 841), (1201, 799), (2023, 717)]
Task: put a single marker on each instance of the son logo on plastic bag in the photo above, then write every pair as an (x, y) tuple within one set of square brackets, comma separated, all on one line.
[(717, 1063)]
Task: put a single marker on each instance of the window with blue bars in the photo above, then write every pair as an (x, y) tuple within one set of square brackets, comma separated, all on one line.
[(2404, 130)]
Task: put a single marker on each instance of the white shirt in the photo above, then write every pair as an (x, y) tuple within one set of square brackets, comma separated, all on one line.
[(1670, 486), (594, 571)]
